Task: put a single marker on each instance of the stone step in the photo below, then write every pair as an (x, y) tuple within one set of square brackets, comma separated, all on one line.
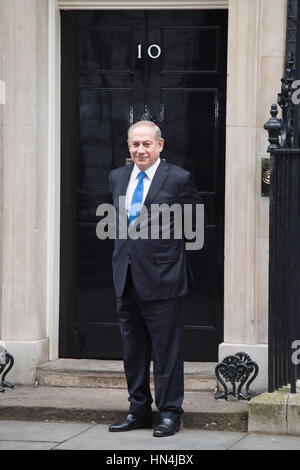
[(108, 405), (92, 373)]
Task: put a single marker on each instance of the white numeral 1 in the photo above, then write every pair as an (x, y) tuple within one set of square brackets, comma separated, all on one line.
[(139, 51)]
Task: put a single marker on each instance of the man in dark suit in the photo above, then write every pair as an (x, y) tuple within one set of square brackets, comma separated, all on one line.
[(150, 278)]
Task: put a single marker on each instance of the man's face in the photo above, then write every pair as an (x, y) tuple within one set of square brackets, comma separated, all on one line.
[(143, 147)]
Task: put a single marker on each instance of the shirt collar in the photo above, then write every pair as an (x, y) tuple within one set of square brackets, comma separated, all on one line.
[(149, 172)]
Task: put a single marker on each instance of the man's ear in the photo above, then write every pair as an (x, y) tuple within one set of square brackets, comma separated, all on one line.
[(161, 144)]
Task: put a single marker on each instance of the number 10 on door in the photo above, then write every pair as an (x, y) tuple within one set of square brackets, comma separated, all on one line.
[(153, 51)]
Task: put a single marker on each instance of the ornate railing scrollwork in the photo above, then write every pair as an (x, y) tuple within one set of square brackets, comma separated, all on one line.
[(6, 363), (236, 368), (283, 128)]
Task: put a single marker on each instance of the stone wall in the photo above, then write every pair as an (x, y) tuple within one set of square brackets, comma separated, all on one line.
[(24, 68)]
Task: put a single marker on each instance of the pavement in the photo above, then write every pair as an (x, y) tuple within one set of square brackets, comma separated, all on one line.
[(75, 418), (33, 435)]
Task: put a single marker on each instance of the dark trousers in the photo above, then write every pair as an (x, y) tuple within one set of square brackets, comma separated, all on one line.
[(152, 326)]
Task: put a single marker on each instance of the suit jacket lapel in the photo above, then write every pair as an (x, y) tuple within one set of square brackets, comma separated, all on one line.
[(125, 179), (157, 182), (122, 186)]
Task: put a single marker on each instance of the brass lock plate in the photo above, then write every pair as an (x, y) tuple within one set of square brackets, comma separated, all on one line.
[(265, 177)]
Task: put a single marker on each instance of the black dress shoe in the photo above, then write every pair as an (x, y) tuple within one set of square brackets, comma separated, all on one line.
[(131, 422), (167, 427)]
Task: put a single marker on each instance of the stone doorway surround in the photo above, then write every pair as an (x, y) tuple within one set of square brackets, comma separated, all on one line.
[(30, 171)]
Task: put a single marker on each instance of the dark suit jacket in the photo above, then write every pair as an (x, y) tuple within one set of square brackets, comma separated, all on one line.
[(158, 266)]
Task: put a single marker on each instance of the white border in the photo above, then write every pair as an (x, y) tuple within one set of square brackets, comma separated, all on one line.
[(53, 219), (144, 5), (2, 92)]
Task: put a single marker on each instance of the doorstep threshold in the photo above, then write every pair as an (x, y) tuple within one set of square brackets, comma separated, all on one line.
[(206, 369)]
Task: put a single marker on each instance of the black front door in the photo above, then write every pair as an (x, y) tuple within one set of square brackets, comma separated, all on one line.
[(117, 65)]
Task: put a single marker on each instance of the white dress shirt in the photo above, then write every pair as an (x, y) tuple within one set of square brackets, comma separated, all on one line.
[(133, 181)]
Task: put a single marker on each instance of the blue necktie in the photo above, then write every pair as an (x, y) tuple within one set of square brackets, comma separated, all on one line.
[(137, 199)]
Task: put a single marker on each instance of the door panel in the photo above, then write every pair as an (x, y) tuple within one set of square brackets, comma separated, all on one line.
[(184, 147), (184, 52), (103, 125), (110, 78), (96, 53)]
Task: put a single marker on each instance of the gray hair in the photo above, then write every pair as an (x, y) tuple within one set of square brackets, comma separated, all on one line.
[(149, 124)]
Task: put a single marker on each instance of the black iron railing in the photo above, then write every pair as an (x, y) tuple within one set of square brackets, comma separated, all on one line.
[(284, 258), (6, 363)]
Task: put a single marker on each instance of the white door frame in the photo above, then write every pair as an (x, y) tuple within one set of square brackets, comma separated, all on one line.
[(54, 99), (141, 4)]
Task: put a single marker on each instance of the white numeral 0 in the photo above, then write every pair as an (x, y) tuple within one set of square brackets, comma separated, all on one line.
[(158, 49), (150, 54)]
